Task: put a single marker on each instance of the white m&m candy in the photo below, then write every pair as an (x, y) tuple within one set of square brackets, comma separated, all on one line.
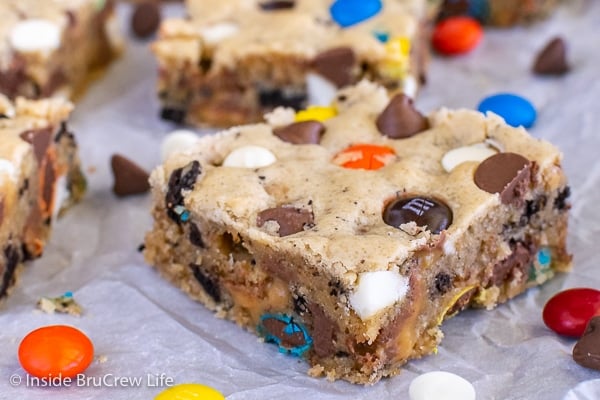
[(440, 385), (249, 157)]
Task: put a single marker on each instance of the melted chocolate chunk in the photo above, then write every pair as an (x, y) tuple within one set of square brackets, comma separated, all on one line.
[(145, 19), (130, 178), (587, 350), (337, 65), (506, 173), (400, 119), (442, 283), (40, 140), (291, 220), (173, 114), (210, 285), (515, 265), (270, 98), (424, 211), (196, 236), (305, 132), (274, 5), (49, 186), (323, 331), (181, 179), (13, 77), (560, 202), (12, 257), (552, 59)]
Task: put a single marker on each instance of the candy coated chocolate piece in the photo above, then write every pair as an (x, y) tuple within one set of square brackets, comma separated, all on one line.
[(457, 35), (145, 19), (55, 351), (506, 173), (365, 156), (440, 385), (316, 113), (400, 119), (336, 65), (459, 155), (516, 110), (190, 391), (290, 335), (587, 350), (249, 157), (290, 219), (305, 132), (552, 59), (568, 312), (130, 178), (424, 211), (351, 12)]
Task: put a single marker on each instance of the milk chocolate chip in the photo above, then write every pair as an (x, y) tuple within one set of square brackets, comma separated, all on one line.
[(290, 219), (424, 211), (587, 350), (305, 132), (145, 19), (552, 59), (400, 119), (336, 65), (130, 179), (506, 173)]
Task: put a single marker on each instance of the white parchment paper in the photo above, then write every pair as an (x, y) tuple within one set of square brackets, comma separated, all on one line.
[(143, 327)]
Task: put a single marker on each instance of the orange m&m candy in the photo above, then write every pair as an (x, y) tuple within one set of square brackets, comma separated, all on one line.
[(56, 351), (365, 156), (457, 35)]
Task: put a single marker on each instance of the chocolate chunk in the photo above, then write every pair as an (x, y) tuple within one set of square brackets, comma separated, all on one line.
[(145, 19), (13, 77), (270, 98), (587, 350), (173, 114), (130, 179), (290, 219), (49, 182), (181, 179), (336, 65), (273, 5), (210, 285), (323, 331), (305, 132), (560, 202), (39, 139), (289, 334), (12, 257), (552, 59), (400, 119), (442, 282), (196, 236), (515, 265), (55, 81), (506, 173), (424, 211)]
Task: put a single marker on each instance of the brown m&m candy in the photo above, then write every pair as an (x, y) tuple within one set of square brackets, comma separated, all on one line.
[(508, 174), (400, 119), (423, 211)]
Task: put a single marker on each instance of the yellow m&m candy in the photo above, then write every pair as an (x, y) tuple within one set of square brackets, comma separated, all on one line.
[(190, 391), (316, 113)]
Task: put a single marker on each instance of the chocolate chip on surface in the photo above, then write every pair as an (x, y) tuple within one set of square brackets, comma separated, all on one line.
[(424, 211), (506, 173), (305, 132), (587, 350), (145, 19), (273, 5), (130, 179), (290, 219), (400, 119), (336, 65), (552, 59)]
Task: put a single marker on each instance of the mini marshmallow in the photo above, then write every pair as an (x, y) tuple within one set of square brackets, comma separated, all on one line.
[(475, 152), (376, 291), (249, 157), (218, 32), (35, 35), (440, 385), (321, 92), (176, 142)]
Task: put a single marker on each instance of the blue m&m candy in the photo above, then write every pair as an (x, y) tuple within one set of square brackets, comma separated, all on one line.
[(351, 12), (516, 110)]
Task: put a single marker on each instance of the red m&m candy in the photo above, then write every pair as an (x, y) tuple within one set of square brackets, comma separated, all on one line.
[(457, 35), (568, 312)]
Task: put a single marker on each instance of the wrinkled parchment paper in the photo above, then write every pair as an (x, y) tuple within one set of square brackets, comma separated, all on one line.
[(147, 333)]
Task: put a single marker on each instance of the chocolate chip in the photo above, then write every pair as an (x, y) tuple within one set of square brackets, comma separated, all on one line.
[(515, 265), (305, 132), (506, 173), (12, 257), (560, 202), (587, 350), (424, 211), (210, 285), (277, 328), (181, 179), (270, 98), (290, 219), (400, 119), (196, 236), (552, 59), (273, 5), (442, 282), (173, 114), (323, 331), (336, 65), (145, 19), (39, 139), (130, 179)]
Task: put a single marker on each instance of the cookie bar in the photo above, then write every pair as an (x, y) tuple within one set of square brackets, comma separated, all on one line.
[(231, 61), (39, 176), (349, 240), (54, 46), (498, 12)]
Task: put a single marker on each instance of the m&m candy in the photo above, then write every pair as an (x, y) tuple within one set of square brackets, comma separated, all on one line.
[(55, 351), (365, 156), (190, 391), (456, 35), (568, 312), (440, 385), (351, 12), (516, 110)]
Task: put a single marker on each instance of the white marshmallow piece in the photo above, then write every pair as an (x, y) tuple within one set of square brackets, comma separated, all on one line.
[(376, 291), (61, 195), (35, 35), (218, 32), (321, 92), (440, 385), (249, 157), (177, 142), (475, 152)]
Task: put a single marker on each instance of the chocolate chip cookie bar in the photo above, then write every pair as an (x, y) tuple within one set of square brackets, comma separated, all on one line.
[(498, 12), (39, 177), (231, 61), (348, 240), (54, 46)]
